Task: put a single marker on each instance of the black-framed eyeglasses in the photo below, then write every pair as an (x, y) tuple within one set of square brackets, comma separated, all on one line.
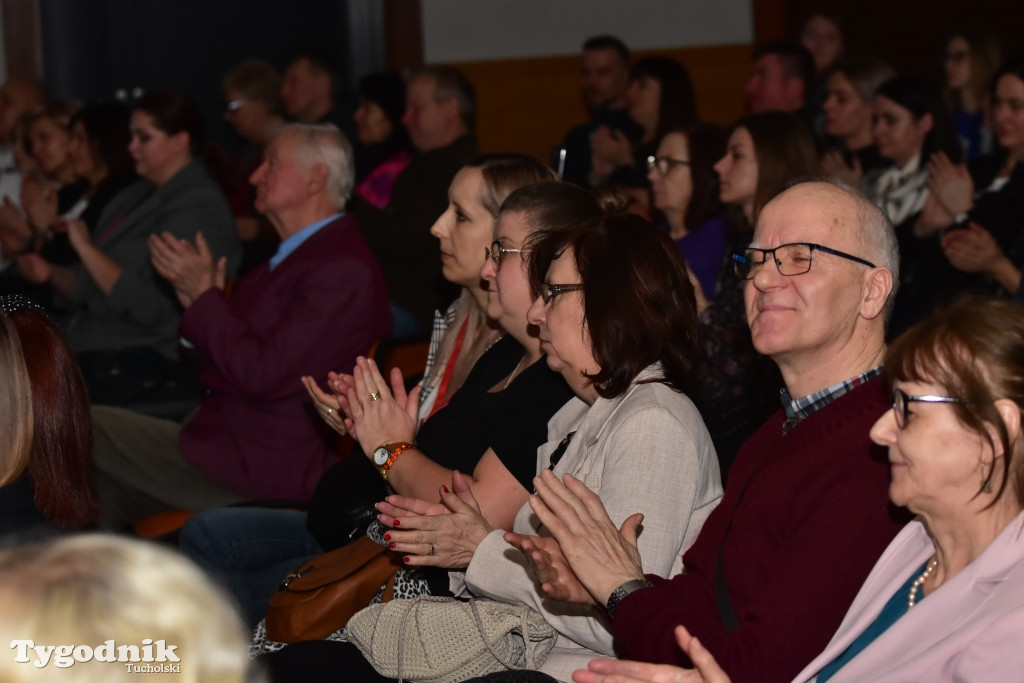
[(901, 401), (496, 253), (549, 291), (235, 105), (664, 165), (790, 259)]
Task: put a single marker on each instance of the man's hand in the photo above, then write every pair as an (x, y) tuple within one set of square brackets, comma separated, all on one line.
[(191, 270)]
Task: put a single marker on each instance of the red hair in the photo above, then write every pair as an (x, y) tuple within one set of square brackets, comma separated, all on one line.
[(60, 464)]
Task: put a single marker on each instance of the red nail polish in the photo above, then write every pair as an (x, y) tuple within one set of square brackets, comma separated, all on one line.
[(406, 559), (398, 522), (444, 488), (387, 537), (392, 546)]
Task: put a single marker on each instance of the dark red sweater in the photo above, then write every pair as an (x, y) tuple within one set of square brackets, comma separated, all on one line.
[(812, 523)]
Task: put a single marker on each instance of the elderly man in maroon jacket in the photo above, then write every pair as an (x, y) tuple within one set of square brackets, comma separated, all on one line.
[(313, 307)]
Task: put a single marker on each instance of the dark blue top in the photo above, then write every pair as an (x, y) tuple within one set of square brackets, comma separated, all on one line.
[(893, 610), (702, 248)]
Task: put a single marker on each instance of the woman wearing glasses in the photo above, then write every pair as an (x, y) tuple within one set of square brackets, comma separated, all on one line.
[(457, 419), (616, 317), (945, 602), (685, 190)]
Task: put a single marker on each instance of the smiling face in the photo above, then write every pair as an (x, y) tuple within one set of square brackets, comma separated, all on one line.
[(465, 229), (508, 286), (563, 329), (1008, 113), (936, 462), (807, 320), (846, 114), (898, 135), (50, 144), (737, 172), (672, 191)]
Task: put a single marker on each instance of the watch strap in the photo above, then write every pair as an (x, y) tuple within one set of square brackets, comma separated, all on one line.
[(394, 450), (622, 591)]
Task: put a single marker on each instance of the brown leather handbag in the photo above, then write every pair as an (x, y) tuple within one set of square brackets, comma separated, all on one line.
[(319, 597)]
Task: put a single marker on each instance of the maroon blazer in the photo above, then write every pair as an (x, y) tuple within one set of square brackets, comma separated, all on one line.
[(256, 431)]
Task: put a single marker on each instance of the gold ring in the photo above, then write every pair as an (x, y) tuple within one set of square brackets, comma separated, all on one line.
[(374, 396), (431, 549)]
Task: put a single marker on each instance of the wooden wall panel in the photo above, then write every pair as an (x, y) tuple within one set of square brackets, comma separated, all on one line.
[(527, 105)]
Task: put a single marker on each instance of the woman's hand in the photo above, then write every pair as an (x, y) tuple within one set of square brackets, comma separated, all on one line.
[(40, 203), (326, 405), (550, 568), (972, 250), (832, 164), (445, 540), (612, 146), (15, 232), (35, 269), (601, 556), (603, 670), (934, 217), (950, 184), (377, 416), (78, 233)]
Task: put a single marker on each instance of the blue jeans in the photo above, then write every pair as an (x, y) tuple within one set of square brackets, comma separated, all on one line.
[(249, 550)]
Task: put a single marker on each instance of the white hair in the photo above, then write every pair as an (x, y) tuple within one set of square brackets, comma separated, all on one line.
[(323, 143), (88, 589)]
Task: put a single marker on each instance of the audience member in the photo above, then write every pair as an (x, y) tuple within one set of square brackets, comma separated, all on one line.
[(972, 58), (604, 79), (317, 304), (964, 550), (440, 117), (18, 97), (631, 432), (46, 477), (254, 548), (685, 190), (312, 91), (822, 36), (737, 386), (769, 577), (113, 597), (124, 319), (849, 118), (660, 97), (254, 109), (382, 143), (783, 78)]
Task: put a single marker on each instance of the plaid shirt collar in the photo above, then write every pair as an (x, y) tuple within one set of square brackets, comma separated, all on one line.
[(802, 408)]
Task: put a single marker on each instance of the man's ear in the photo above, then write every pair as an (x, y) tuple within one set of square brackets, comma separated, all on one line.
[(317, 180), (877, 286)]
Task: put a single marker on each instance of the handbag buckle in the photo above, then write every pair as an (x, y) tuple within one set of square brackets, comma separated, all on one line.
[(291, 577)]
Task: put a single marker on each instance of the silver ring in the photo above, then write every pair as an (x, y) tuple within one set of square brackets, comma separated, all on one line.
[(374, 396), (329, 411), (431, 549)]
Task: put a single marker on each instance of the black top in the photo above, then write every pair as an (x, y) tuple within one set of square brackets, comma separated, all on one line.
[(19, 516), (512, 422)]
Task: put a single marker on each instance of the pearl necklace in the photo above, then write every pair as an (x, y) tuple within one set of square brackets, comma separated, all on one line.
[(919, 581)]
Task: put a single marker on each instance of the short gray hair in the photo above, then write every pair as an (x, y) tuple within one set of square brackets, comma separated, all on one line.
[(323, 143), (876, 234)]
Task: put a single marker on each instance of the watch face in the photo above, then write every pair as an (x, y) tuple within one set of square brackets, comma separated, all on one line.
[(380, 456)]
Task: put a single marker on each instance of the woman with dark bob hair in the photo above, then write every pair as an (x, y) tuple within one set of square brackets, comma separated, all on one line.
[(47, 480), (661, 98), (616, 316), (945, 601), (124, 327)]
